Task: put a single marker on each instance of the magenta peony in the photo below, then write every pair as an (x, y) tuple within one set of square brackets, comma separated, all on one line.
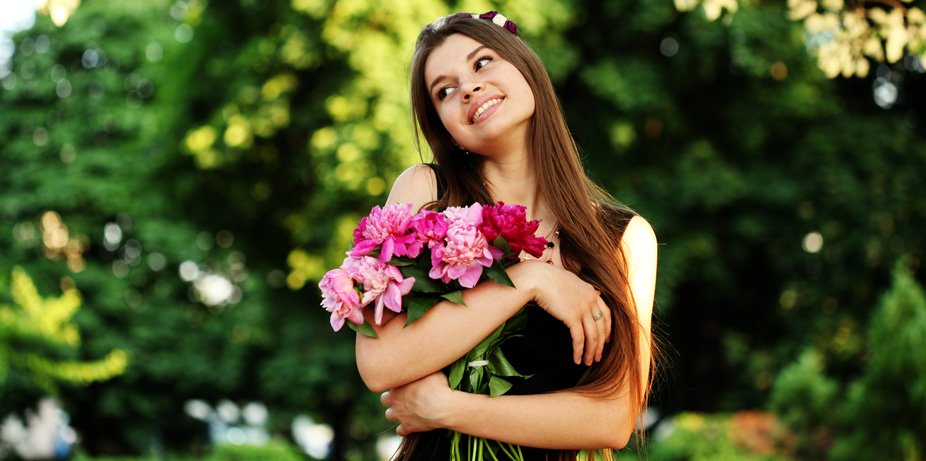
[(510, 221), (386, 228), (431, 227)]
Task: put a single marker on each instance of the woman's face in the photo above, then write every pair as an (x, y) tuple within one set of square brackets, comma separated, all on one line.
[(479, 96)]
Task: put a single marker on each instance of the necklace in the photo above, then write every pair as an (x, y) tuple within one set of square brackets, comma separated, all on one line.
[(549, 248)]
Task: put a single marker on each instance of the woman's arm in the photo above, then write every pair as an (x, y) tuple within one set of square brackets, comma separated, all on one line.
[(562, 420), (402, 354)]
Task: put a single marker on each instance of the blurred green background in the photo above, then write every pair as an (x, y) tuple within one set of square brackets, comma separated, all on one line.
[(176, 176)]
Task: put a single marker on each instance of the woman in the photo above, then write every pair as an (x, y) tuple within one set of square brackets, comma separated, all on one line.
[(487, 109)]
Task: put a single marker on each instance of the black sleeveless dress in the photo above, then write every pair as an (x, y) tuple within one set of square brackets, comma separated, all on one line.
[(544, 350)]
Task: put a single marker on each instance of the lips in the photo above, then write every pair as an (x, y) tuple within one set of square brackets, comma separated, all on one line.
[(483, 109)]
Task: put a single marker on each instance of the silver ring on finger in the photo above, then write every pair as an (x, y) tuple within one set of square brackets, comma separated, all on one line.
[(597, 315)]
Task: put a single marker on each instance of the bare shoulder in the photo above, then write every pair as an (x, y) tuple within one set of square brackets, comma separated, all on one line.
[(416, 185), (640, 251), (639, 246), (639, 235)]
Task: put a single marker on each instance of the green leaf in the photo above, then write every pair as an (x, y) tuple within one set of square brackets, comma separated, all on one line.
[(456, 373), (402, 262), (498, 274), (519, 321), (454, 296), (498, 386), (502, 244), (482, 349), (475, 379), (364, 328), (502, 367), (423, 283), (418, 306)]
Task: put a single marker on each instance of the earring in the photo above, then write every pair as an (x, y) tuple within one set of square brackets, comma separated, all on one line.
[(463, 149)]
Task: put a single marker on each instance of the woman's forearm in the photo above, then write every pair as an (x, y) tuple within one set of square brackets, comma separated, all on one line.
[(402, 354), (560, 420)]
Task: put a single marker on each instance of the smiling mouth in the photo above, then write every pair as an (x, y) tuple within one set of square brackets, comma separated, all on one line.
[(483, 108)]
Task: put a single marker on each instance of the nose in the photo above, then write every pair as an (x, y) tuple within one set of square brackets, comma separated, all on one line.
[(470, 90)]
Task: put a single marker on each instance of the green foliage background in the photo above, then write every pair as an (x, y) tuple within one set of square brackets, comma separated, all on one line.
[(246, 138)]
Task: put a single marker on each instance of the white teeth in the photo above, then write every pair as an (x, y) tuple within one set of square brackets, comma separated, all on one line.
[(484, 107)]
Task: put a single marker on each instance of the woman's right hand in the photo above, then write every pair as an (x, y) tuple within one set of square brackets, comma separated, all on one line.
[(571, 300)]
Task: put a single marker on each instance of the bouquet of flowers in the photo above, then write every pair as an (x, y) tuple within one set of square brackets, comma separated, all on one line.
[(408, 262)]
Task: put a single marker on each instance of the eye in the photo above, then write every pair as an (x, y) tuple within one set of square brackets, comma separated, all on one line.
[(444, 92), (482, 62)]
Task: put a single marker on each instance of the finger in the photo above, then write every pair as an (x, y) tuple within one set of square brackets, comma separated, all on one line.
[(578, 342), (607, 320), (386, 399), (390, 415), (604, 328), (591, 338), (400, 430)]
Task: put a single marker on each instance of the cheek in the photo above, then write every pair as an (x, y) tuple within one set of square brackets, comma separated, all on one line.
[(449, 119), (527, 95)]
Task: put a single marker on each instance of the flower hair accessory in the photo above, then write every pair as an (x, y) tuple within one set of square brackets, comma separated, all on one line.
[(500, 20), (494, 16)]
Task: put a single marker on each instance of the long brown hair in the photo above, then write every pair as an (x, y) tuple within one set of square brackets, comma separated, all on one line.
[(587, 216)]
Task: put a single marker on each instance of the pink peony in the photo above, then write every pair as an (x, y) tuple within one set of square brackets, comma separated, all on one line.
[(459, 215), (463, 257), (382, 283), (340, 298), (388, 229), (431, 228), (510, 221)]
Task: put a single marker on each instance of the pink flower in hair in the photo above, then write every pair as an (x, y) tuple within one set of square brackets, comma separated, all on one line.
[(387, 228), (340, 298), (463, 257), (383, 284)]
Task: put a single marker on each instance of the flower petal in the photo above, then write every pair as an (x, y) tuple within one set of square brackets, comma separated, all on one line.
[(386, 252), (336, 321), (355, 316), (471, 276)]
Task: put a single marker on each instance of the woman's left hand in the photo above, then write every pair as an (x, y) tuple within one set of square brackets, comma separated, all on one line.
[(418, 406)]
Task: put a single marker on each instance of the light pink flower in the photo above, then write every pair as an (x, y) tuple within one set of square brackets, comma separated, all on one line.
[(388, 229), (383, 284), (340, 298), (464, 255), (459, 215)]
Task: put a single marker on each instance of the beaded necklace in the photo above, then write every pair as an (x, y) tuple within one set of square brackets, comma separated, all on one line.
[(549, 248)]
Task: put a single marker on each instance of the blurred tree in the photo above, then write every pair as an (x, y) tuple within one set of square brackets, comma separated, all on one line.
[(877, 412), (85, 142), (883, 416), (845, 34), (806, 400), (38, 342)]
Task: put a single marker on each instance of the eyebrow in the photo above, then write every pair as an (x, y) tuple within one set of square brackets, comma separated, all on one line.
[(469, 57)]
